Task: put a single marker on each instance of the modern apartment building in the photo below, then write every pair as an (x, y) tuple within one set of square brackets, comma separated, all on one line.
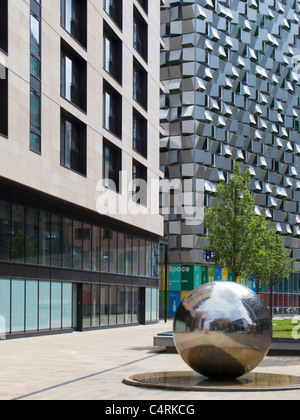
[(232, 93), (79, 129)]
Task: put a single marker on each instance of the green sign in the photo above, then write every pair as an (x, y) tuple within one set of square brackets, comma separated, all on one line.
[(187, 277), (197, 276), (204, 274), (211, 274)]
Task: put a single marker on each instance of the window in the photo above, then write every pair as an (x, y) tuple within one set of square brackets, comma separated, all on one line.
[(3, 101), (112, 54), (144, 4), (140, 141), (4, 25), (35, 77), (114, 8), (35, 121), (112, 165), (73, 143), (140, 35), (140, 84), (74, 19), (112, 110), (73, 77), (139, 183)]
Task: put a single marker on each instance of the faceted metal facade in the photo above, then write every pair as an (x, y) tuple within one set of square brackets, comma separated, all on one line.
[(232, 93)]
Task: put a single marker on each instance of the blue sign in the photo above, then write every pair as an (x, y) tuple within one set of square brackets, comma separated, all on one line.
[(218, 274), (174, 302), (208, 256)]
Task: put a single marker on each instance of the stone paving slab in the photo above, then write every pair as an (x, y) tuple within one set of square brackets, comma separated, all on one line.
[(92, 365)]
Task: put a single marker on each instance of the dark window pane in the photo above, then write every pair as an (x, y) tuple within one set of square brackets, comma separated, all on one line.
[(32, 236), (96, 248), (67, 243), (4, 230), (87, 306), (104, 305), (17, 234), (56, 241)]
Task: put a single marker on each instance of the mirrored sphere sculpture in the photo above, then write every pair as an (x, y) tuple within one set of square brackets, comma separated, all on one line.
[(222, 330)]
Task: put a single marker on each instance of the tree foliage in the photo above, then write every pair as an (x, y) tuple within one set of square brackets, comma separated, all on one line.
[(233, 226)]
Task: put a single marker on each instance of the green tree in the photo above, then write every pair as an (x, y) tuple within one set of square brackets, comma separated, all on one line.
[(233, 226), (271, 262)]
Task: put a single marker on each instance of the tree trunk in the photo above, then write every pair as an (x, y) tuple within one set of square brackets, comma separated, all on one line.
[(271, 308)]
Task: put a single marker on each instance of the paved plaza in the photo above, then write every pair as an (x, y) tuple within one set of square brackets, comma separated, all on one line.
[(91, 366)]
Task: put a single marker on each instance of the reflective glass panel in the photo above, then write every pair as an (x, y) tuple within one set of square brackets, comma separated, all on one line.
[(18, 306), (56, 310), (44, 305), (31, 305)]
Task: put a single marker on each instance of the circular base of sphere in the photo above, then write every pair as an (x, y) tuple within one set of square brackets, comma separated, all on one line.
[(191, 381), (222, 330)]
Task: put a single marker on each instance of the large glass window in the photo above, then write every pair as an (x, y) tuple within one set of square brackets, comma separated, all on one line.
[(32, 296), (121, 253), (44, 238), (73, 143), (142, 257), (104, 305), (4, 230), (113, 252), (128, 305), (77, 245), (105, 250), (112, 53), (148, 259), (114, 8), (56, 241), (67, 305), (128, 259), (56, 306), (112, 110), (139, 183), (140, 84), (44, 305), (73, 77), (18, 306), (18, 234), (120, 305), (135, 305), (74, 19), (96, 232), (86, 247), (87, 306), (135, 257), (140, 34), (112, 165), (95, 305), (140, 135), (67, 243), (32, 236), (5, 305), (113, 305)]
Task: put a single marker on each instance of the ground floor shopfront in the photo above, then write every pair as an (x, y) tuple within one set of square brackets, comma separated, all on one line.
[(32, 306), (64, 268)]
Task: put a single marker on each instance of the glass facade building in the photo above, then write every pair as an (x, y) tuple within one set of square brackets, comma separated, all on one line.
[(72, 130)]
